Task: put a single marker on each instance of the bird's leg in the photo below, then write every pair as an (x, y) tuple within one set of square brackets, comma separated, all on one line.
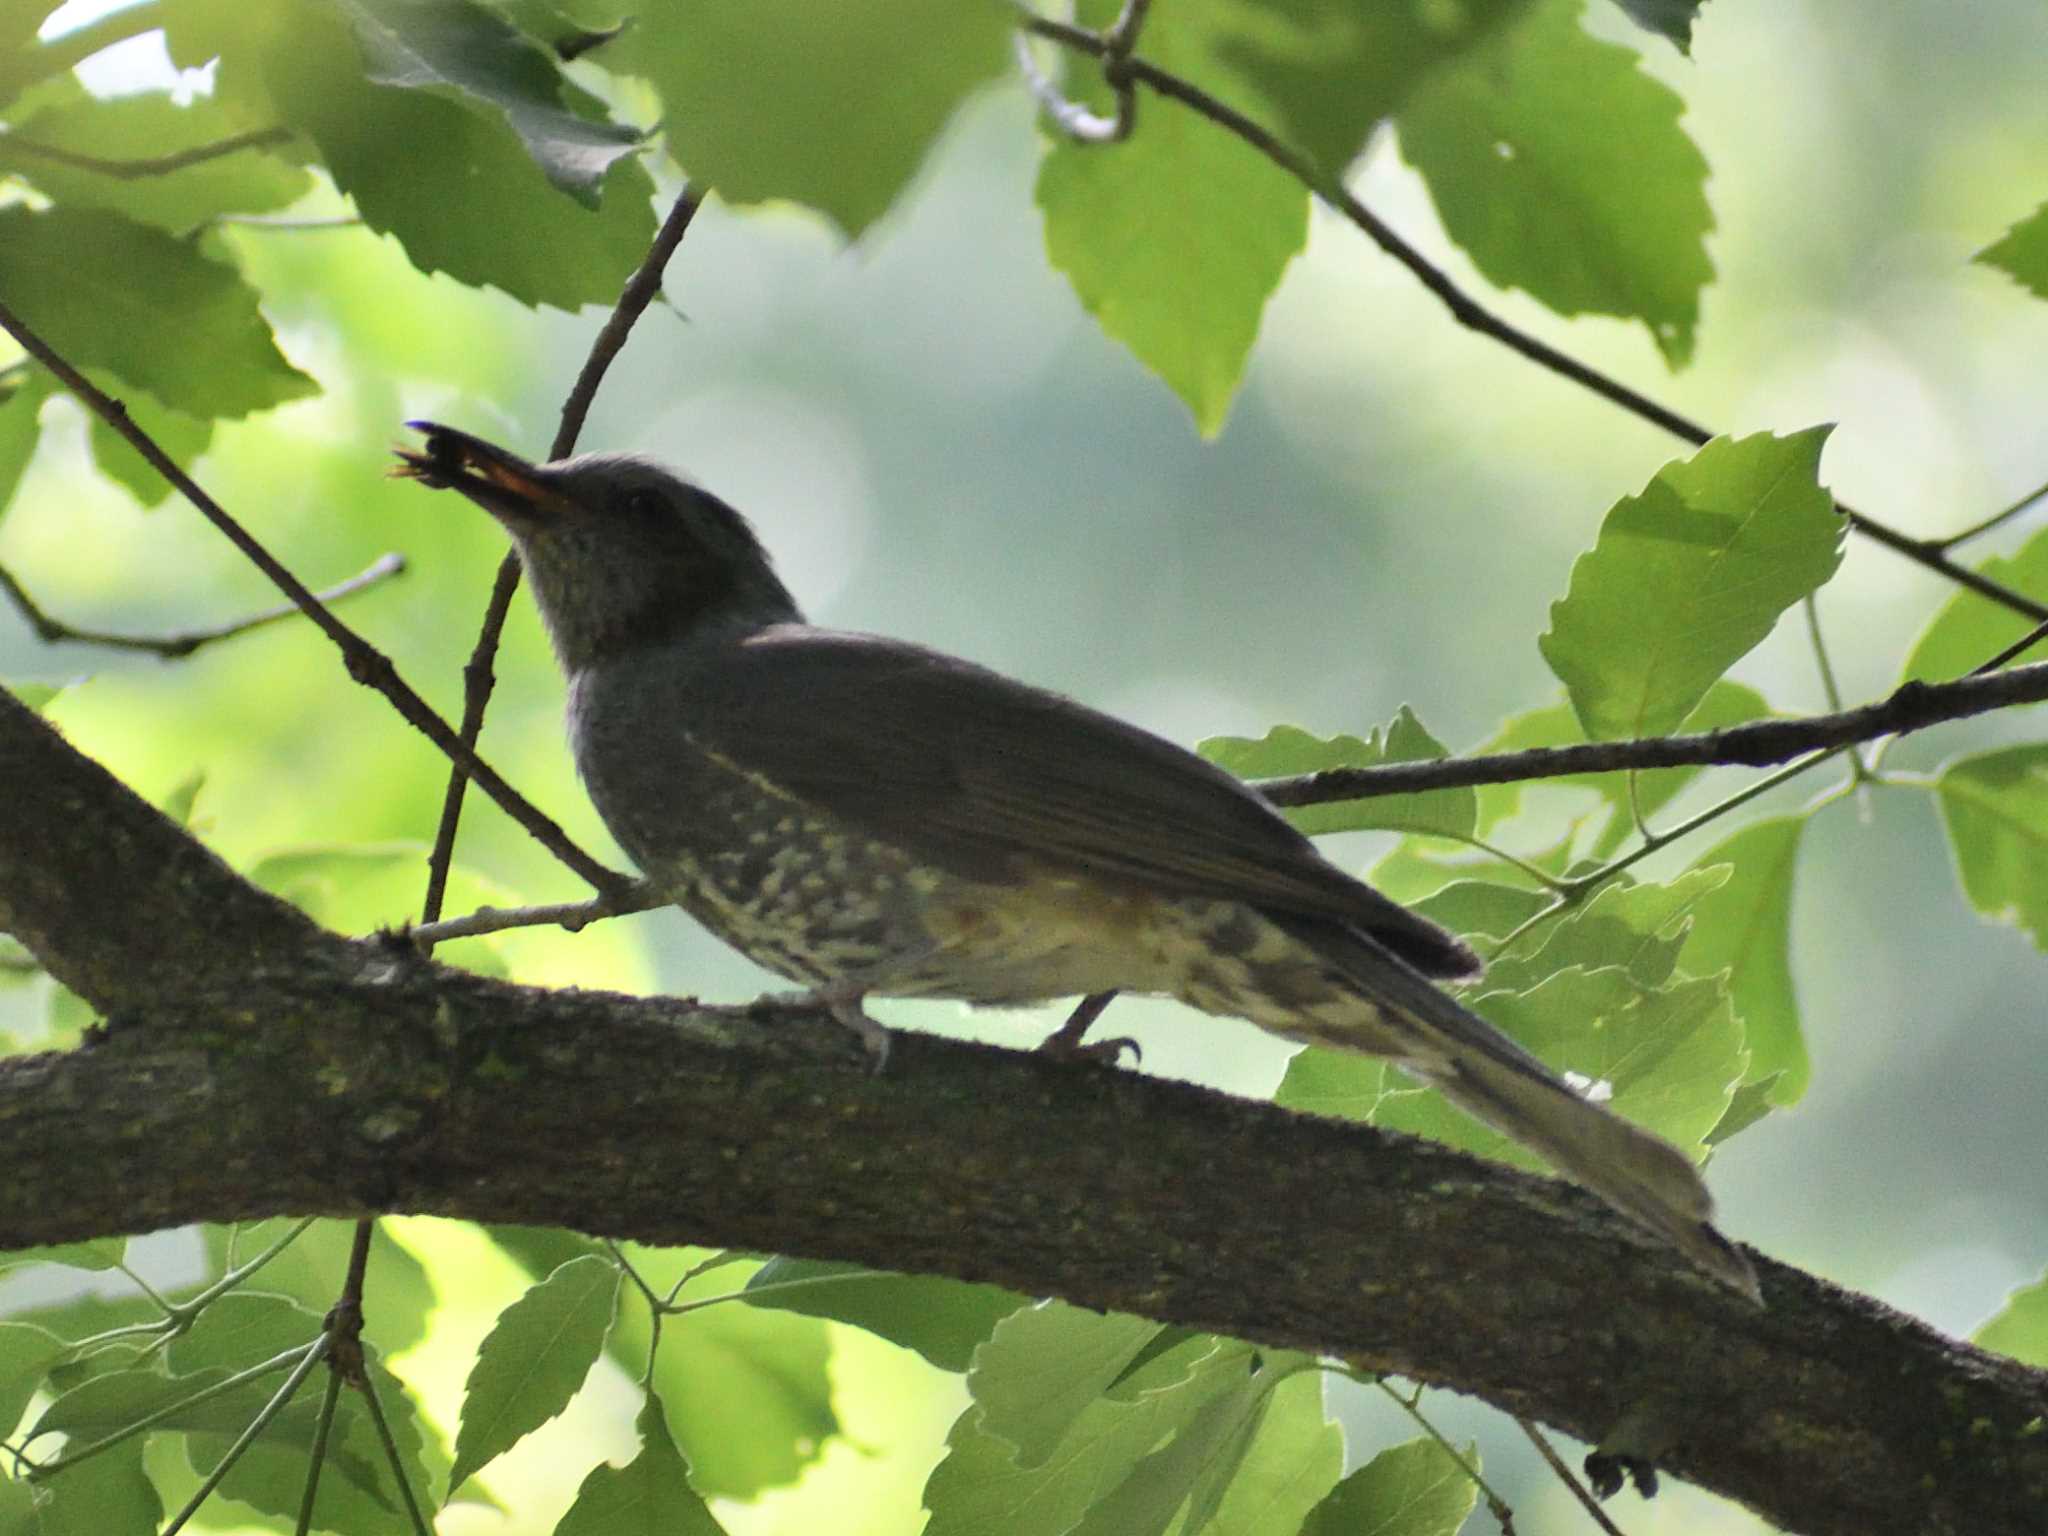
[(842, 999), (1065, 1043)]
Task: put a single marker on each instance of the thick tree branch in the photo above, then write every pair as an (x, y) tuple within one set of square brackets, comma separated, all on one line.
[(260, 1066), (1470, 313), (1911, 707)]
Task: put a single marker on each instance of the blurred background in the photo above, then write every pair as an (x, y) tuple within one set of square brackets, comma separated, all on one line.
[(938, 443)]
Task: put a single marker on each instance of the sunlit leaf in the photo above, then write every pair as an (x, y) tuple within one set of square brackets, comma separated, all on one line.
[(107, 1495), (1415, 1489), (2022, 254), (1995, 807), (1637, 926), (1292, 1462), (1561, 169), (21, 428), (110, 293), (1687, 576), (1968, 630), (1745, 925), (26, 1354), (649, 1496), (181, 436), (1287, 751), (941, 1319), (1045, 1365), (534, 1360), (2020, 1327)]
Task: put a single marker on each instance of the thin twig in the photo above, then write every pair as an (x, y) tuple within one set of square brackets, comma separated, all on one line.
[(2018, 648), (478, 678), (366, 664), (1569, 1478), (1913, 706), (390, 1443), (1075, 120), (321, 1428), (1996, 519), (53, 631), (572, 915), (240, 1379), (1471, 314), (315, 1352), (153, 165)]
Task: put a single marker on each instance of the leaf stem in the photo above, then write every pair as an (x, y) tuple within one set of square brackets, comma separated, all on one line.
[(314, 1354)]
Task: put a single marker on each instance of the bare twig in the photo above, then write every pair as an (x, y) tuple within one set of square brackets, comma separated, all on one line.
[(279, 1401), (184, 642), (1997, 519), (1075, 120), (152, 165), (366, 664), (572, 915), (1469, 313), (478, 678), (1568, 1477)]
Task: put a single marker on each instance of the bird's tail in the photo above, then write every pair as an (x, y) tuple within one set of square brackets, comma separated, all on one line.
[(1488, 1076)]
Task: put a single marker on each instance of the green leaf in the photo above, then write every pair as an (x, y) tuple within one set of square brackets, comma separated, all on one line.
[(107, 1495), (1671, 1057), (2023, 253), (1687, 576), (1175, 239), (145, 126), (534, 1360), (860, 92), (241, 1329), (1745, 927), (1669, 19), (110, 293), (1639, 927), (649, 1496), (311, 1269), (2020, 1327), (1482, 910), (438, 168), (1561, 168), (1752, 1101), (92, 1253), (1995, 807), (458, 48), (181, 436), (1333, 69), (1043, 1366), (21, 428), (1294, 1459), (1969, 630), (1287, 751), (26, 1355), (980, 1490), (941, 1319), (1415, 1489), (36, 696)]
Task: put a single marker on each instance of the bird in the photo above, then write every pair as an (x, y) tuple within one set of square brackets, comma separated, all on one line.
[(872, 818)]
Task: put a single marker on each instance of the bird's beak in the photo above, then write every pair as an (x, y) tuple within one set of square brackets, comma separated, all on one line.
[(502, 483)]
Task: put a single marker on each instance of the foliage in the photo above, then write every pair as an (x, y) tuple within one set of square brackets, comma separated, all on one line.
[(459, 145)]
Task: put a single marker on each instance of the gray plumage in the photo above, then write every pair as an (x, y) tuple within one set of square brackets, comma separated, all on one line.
[(867, 816)]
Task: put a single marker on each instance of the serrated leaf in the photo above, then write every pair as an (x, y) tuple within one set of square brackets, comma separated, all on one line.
[(1175, 239), (1671, 1058), (107, 292), (1333, 69), (941, 1319), (1480, 911), (2020, 1327), (1042, 1367), (649, 1496), (1561, 169), (181, 436), (2022, 254), (1671, 20), (1751, 1102), (1968, 630), (1745, 926), (534, 1360), (1687, 576), (465, 49), (1294, 1459), (143, 126), (979, 1490), (1995, 808), (26, 1354), (1639, 927), (311, 1268), (1287, 751), (1415, 1489), (875, 82)]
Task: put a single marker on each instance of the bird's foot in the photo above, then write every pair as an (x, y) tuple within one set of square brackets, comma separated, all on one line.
[(844, 1004), (1066, 1043)]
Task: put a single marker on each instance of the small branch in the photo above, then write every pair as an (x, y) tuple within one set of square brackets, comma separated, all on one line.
[(1075, 120), (366, 664), (1474, 316), (390, 1444), (1995, 520), (1569, 1478), (52, 631), (154, 165), (318, 1459), (1912, 707), (270, 1410), (572, 915), (478, 678)]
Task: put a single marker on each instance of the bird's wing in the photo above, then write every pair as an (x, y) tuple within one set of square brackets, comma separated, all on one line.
[(976, 772)]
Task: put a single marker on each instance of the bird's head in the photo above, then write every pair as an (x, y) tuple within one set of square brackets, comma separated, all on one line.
[(621, 552)]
